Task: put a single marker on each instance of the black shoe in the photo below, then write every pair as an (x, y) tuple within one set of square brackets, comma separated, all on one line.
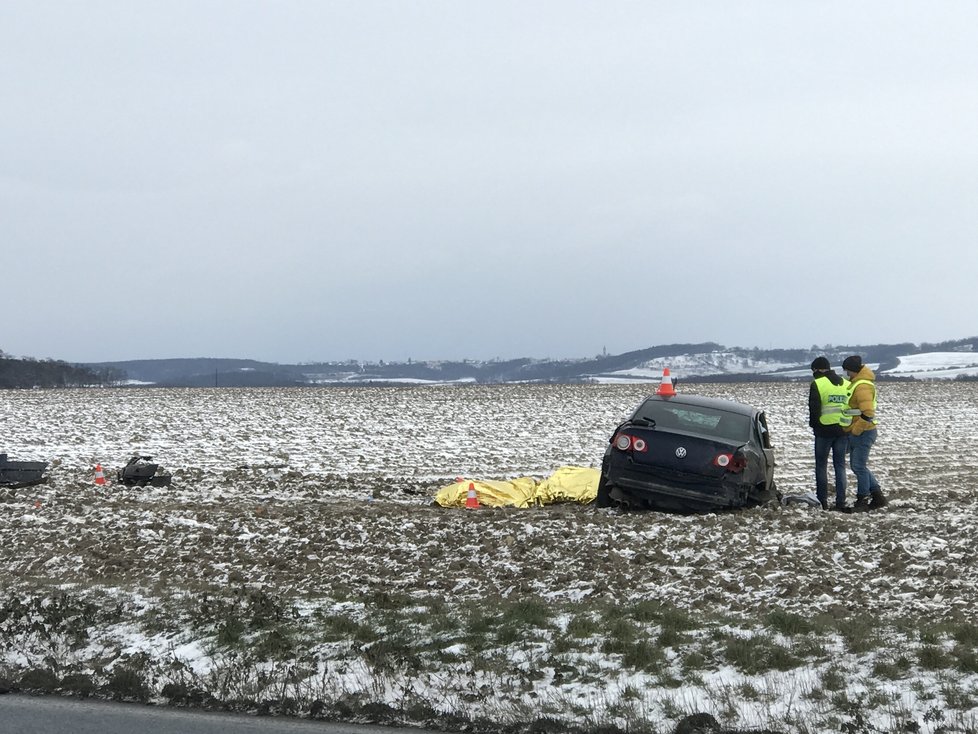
[(862, 504), (841, 508), (878, 500)]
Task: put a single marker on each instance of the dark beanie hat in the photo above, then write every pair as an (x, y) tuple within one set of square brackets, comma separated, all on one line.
[(820, 363), (853, 363)]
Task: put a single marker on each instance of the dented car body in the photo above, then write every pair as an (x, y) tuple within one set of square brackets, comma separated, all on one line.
[(689, 453)]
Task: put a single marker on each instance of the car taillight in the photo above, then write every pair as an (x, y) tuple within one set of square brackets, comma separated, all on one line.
[(624, 442), (731, 462)]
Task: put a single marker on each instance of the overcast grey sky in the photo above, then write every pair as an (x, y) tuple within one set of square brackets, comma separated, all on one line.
[(316, 180)]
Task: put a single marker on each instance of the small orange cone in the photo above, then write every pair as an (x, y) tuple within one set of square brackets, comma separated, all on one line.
[(666, 388), (472, 499), (99, 476)]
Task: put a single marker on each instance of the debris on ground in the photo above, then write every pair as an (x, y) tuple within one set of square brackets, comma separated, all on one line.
[(16, 474), (139, 472)]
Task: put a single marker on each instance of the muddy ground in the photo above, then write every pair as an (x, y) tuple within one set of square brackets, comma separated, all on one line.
[(291, 533)]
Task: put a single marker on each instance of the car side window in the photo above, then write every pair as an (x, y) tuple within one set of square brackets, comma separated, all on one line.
[(765, 433)]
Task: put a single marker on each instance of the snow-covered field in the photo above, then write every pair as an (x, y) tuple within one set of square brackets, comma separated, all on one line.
[(292, 509), (937, 366)]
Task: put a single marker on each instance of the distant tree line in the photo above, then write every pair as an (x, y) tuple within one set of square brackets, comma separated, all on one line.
[(30, 373)]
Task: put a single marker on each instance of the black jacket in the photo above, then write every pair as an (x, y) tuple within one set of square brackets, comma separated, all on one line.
[(815, 408)]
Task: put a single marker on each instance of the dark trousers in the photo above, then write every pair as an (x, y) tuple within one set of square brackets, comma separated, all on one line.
[(837, 446)]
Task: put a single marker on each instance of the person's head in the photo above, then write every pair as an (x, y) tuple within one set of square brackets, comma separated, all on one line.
[(820, 365), (852, 364)]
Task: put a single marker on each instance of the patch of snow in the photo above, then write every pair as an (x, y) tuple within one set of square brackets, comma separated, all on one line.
[(937, 365), (693, 365)]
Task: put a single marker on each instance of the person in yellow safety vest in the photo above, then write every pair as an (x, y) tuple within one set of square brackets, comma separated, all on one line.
[(862, 433), (828, 401)]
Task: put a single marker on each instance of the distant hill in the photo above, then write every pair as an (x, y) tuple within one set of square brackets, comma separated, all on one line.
[(689, 362)]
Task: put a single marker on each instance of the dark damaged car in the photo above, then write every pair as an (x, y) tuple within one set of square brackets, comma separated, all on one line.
[(688, 453)]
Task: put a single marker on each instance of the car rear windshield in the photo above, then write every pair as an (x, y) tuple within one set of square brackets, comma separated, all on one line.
[(697, 420)]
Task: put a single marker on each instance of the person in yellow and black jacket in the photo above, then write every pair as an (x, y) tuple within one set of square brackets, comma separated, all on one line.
[(828, 403), (862, 433)]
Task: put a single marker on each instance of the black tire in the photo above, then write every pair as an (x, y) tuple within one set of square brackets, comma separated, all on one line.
[(604, 493)]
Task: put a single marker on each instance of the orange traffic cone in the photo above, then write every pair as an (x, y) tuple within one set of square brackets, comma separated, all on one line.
[(472, 499), (666, 388), (99, 476)]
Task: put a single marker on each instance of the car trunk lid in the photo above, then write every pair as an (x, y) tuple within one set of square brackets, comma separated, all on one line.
[(680, 452)]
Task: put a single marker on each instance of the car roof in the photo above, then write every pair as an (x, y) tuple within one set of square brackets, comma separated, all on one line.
[(730, 406)]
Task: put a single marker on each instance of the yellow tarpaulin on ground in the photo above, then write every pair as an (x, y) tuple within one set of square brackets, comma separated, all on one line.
[(567, 484)]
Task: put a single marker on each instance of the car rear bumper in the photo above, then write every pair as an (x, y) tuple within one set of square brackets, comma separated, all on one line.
[(679, 492), (658, 495)]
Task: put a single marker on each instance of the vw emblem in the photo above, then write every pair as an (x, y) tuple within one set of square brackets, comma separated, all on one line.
[(681, 452)]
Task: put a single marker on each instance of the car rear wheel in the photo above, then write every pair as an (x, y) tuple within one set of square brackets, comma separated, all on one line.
[(604, 493)]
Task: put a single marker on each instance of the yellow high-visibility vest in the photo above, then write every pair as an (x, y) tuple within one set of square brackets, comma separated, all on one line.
[(835, 401)]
